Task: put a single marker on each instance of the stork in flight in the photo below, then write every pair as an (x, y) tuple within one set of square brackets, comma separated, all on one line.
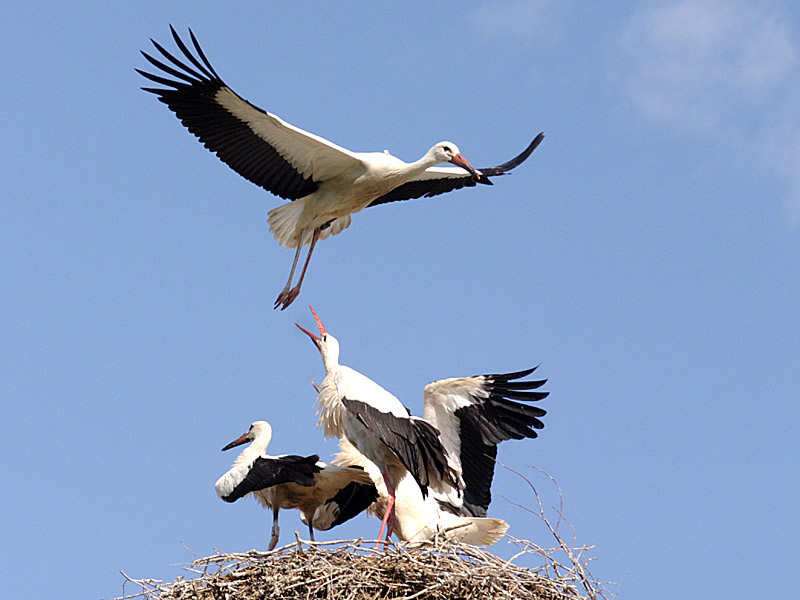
[(473, 415), (326, 183), (403, 447), (290, 481)]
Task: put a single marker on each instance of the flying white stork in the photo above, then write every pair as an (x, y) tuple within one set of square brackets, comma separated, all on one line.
[(473, 415), (326, 182), (290, 481), (402, 446)]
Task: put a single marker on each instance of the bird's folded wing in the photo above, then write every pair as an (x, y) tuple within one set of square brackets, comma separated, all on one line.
[(415, 442), (265, 472)]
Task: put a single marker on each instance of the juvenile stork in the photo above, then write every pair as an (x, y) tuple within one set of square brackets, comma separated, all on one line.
[(291, 481), (327, 183), (402, 446)]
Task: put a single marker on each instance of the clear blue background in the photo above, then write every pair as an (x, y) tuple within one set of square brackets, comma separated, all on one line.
[(646, 257)]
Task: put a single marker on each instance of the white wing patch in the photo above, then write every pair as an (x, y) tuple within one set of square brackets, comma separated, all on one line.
[(312, 155)]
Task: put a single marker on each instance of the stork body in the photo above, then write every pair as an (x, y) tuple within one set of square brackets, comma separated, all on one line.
[(473, 415), (291, 481), (327, 183), (419, 517), (402, 446)]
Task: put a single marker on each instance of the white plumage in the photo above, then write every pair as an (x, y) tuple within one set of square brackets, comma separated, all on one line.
[(419, 517), (473, 415), (404, 448), (327, 183)]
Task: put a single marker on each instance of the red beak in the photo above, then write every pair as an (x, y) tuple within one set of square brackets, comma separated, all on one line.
[(462, 162), (320, 326)]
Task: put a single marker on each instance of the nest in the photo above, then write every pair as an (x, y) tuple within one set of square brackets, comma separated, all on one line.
[(437, 569), (353, 570)]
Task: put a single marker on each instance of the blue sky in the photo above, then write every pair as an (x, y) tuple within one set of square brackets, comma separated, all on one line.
[(646, 257)]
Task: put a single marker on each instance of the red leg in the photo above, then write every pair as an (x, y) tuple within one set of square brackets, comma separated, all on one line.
[(287, 296), (388, 515), (287, 288)]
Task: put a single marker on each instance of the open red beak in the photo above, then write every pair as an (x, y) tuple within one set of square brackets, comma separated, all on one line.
[(320, 326), (462, 162), (242, 439)]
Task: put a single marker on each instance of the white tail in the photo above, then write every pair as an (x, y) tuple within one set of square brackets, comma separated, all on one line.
[(284, 219), (476, 530), (283, 222)]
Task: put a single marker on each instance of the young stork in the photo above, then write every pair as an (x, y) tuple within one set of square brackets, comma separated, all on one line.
[(327, 183), (403, 447), (291, 481), (473, 415)]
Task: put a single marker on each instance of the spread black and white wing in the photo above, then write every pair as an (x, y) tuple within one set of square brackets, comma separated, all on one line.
[(439, 180), (473, 415), (260, 146)]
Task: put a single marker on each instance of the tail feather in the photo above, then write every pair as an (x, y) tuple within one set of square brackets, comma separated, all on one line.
[(477, 531), (283, 223)]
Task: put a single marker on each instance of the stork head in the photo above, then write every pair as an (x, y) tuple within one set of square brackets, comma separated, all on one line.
[(260, 430), (448, 152), (327, 345)]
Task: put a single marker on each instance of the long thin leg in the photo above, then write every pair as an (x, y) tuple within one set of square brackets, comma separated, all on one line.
[(275, 529), (390, 523), (389, 514), (287, 297), (287, 288), (311, 531), (314, 239)]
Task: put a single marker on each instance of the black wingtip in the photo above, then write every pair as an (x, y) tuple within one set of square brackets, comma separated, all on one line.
[(514, 162)]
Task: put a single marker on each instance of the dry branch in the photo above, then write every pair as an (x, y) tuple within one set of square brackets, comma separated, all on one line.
[(353, 570)]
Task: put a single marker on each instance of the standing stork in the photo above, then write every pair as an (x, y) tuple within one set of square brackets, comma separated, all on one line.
[(420, 517), (402, 446), (473, 415), (291, 481), (327, 183)]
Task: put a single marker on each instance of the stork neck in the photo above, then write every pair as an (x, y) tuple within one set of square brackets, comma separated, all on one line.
[(256, 448), (418, 166), (329, 350), (330, 362)]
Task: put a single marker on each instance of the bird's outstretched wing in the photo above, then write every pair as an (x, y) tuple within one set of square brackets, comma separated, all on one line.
[(260, 146), (473, 415), (439, 180)]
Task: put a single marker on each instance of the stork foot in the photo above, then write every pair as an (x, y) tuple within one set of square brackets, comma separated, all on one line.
[(286, 297), (273, 541)]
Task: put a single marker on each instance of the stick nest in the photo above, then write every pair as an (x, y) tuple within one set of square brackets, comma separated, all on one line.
[(352, 570)]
